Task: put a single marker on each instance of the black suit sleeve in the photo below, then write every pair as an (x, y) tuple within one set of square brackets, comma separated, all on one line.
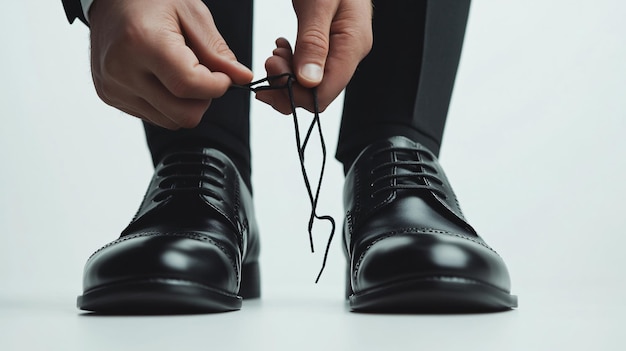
[(74, 10)]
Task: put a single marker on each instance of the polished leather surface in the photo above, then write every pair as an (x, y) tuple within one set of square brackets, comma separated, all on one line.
[(195, 225), (404, 223)]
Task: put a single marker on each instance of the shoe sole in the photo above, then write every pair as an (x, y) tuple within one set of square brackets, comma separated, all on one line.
[(433, 295), (169, 296)]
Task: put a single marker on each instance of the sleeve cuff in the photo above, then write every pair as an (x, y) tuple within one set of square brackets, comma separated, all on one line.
[(86, 5)]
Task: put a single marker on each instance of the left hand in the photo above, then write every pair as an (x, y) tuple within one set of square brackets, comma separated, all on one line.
[(333, 37)]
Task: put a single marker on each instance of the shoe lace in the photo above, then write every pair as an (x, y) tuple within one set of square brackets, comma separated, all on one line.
[(413, 172), (301, 144), (190, 172)]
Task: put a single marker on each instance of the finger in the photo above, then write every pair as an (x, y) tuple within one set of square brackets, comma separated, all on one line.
[(351, 40), (276, 65), (340, 68), (283, 43), (178, 68), (143, 110), (312, 43), (126, 99), (284, 54), (283, 64), (281, 102), (206, 41), (283, 58), (279, 99), (186, 113)]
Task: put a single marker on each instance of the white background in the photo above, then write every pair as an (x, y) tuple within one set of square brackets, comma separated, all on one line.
[(534, 148)]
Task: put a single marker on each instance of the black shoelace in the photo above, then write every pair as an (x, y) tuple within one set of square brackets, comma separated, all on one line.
[(301, 145), (190, 172), (414, 178)]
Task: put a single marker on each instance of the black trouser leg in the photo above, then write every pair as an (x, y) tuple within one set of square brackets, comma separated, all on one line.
[(403, 87), (225, 124)]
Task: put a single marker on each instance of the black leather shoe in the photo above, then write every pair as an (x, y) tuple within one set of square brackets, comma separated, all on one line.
[(410, 248), (192, 246)]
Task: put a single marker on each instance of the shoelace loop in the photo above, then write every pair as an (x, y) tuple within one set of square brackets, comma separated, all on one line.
[(415, 177), (301, 144), (182, 173)]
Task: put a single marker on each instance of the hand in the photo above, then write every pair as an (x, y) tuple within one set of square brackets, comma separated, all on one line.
[(333, 37), (160, 60)]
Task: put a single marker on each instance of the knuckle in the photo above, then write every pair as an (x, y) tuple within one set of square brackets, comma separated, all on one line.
[(187, 85), (362, 41), (221, 48), (181, 86), (368, 43), (188, 123), (104, 94), (134, 34), (189, 119), (129, 44), (315, 42), (172, 127), (112, 67)]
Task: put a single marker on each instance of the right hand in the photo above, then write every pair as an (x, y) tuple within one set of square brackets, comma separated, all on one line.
[(160, 60)]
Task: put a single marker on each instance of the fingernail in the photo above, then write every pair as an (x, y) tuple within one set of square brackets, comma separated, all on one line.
[(312, 72)]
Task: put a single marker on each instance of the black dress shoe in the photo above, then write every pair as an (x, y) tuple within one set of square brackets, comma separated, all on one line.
[(192, 246), (410, 248)]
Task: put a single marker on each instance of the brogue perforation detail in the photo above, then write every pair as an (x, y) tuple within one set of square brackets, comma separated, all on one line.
[(241, 222), (349, 221), (357, 200)]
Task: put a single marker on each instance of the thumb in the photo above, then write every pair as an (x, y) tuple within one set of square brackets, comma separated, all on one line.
[(313, 40)]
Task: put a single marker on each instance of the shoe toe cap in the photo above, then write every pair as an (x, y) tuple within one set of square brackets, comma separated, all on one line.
[(423, 255), (189, 257)]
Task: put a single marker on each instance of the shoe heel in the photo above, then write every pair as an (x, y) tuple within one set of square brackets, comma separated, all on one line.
[(250, 281)]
